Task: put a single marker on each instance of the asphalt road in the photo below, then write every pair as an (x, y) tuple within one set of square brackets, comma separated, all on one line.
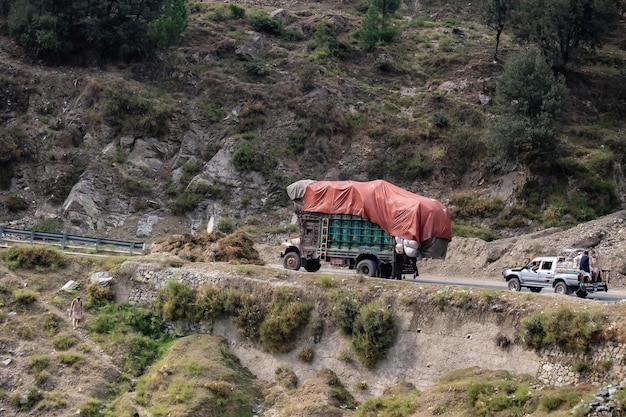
[(611, 295)]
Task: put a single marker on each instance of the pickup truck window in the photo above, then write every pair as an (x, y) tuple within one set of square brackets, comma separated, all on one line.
[(546, 266)]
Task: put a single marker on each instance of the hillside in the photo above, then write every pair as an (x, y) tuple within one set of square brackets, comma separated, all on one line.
[(121, 362), (220, 125)]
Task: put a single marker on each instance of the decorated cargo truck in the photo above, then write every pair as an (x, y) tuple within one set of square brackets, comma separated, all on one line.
[(374, 227)]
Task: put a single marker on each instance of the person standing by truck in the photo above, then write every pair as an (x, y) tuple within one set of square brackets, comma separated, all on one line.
[(584, 265), (594, 263)]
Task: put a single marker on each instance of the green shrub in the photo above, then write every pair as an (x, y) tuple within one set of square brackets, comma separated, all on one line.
[(345, 310), (570, 331), (374, 332), (15, 203), (98, 296), (262, 22), (236, 12), (130, 111), (186, 201), (210, 303), (27, 400), (75, 360), (24, 297), (560, 400), (388, 405), (137, 185), (226, 225), (40, 258), (64, 341), (250, 316), (466, 206), (38, 363), (286, 377), (177, 301), (488, 398), (257, 69), (306, 355), (581, 367), (48, 224), (286, 316)]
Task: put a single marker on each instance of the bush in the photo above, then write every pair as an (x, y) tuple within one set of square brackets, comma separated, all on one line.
[(98, 296), (571, 332), (27, 400), (48, 225), (488, 398), (64, 341), (24, 297), (40, 258), (306, 355), (286, 316), (186, 201), (374, 333), (15, 203), (177, 301), (262, 22), (226, 225), (236, 12), (345, 311)]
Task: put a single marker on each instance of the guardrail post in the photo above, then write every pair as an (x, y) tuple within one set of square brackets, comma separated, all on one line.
[(32, 236), (64, 241), (97, 244)]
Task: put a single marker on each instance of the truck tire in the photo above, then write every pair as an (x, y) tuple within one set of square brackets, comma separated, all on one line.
[(582, 293), (562, 288), (367, 267), (312, 265), (514, 284), (292, 260), (535, 289)]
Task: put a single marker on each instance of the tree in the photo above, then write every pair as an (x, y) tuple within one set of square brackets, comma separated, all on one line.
[(375, 26), (495, 14), (167, 30), (529, 99), (564, 29), (88, 30)]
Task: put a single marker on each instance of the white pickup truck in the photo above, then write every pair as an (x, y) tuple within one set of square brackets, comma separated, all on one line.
[(557, 272)]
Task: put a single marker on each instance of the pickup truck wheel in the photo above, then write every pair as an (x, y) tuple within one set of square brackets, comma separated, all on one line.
[(312, 265), (514, 284), (535, 289), (366, 267), (562, 288), (292, 260)]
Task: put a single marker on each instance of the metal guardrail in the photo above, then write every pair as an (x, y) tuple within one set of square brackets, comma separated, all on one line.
[(66, 241)]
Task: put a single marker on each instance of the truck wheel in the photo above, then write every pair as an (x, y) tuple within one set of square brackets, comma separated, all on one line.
[(514, 284), (312, 265), (535, 289), (366, 267), (292, 261), (562, 288)]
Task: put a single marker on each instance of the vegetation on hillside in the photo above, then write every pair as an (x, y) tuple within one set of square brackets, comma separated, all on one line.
[(385, 89), (178, 372)]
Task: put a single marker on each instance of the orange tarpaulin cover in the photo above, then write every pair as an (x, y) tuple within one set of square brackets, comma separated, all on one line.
[(399, 212)]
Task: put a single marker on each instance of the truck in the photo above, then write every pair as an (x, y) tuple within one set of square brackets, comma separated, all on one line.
[(559, 273), (373, 227)]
